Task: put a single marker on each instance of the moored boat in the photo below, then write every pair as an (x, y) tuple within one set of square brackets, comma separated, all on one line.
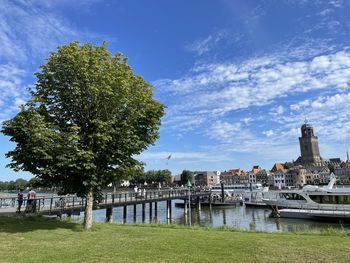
[(252, 193), (312, 202)]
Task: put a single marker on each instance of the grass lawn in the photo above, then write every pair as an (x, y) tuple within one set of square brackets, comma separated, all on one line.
[(50, 240)]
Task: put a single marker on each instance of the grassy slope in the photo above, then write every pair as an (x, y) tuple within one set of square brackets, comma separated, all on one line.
[(49, 240)]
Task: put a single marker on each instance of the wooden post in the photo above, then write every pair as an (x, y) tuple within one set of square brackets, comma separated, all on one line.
[(210, 201), (156, 210), (51, 205), (143, 212), (168, 209), (150, 212), (199, 203), (185, 210), (124, 214), (109, 214), (134, 213)]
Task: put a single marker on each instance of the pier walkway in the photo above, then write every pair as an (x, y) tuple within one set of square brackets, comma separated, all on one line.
[(71, 204)]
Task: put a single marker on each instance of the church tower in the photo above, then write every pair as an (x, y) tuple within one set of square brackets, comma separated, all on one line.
[(310, 153)]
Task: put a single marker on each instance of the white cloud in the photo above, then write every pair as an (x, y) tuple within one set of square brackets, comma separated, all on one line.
[(336, 3), (11, 89), (328, 114), (330, 102), (268, 133), (202, 46), (184, 157), (218, 89), (224, 130), (31, 29), (277, 111)]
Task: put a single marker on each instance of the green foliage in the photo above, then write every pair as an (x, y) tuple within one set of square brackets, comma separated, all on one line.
[(14, 185), (186, 176), (89, 114), (152, 176), (331, 168), (288, 165)]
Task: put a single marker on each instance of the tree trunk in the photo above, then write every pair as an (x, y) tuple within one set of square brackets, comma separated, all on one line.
[(88, 210)]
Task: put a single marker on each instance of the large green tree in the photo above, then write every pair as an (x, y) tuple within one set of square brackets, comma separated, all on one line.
[(88, 116)]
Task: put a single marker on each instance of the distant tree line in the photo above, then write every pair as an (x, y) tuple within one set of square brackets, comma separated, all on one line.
[(151, 177), (20, 183)]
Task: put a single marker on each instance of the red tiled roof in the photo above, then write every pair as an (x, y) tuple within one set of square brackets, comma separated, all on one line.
[(277, 166)]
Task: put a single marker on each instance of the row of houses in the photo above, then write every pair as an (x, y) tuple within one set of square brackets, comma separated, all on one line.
[(278, 177)]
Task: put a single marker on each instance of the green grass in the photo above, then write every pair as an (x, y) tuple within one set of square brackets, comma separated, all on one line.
[(50, 240)]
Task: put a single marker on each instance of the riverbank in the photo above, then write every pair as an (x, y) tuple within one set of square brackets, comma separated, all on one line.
[(50, 240)]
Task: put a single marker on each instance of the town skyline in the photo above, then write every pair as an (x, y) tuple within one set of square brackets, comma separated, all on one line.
[(238, 78)]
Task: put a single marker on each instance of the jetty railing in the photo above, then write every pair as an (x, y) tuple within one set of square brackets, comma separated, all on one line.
[(51, 204)]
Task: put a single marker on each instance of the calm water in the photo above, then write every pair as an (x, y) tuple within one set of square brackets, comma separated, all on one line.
[(240, 217)]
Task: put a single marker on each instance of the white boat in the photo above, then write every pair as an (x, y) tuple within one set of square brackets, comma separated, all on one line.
[(253, 192), (312, 202)]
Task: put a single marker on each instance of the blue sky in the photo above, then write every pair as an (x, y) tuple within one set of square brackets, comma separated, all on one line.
[(238, 77)]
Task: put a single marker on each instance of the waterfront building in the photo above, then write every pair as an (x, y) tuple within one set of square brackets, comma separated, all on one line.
[(243, 178), (323, 178), (236, 171), (252, 177), (279, 179), (261, 177), (270, 179), (234, 176), (228, 178), (206, 178), (289, 178), (343, 175), (256, 169), (309, 150)]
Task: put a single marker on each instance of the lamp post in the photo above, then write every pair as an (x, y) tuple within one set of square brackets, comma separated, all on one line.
[(189, 185)]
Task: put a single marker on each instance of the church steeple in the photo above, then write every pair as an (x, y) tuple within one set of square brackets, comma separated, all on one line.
[(309, 150)]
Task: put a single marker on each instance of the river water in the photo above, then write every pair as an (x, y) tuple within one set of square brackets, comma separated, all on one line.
[(241, 217)]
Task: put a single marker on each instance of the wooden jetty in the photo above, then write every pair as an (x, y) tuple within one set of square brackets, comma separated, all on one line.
[(73, 205)]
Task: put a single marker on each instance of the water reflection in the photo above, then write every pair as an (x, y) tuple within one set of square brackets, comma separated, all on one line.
[(253, 219)]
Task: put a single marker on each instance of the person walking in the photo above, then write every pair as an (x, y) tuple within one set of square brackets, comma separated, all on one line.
[(31, 203), (19, 200)]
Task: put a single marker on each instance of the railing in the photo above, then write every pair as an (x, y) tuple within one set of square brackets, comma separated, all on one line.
[(111, 198), (72, 202), (327, 207), (40, 203)]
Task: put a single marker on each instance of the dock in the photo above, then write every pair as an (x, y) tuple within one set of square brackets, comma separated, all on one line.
[(73, 205)]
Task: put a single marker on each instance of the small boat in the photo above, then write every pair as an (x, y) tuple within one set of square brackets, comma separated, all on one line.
[(251, 194), (182, 205), (226, 203)]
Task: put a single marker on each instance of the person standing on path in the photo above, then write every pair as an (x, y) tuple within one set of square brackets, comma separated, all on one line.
[(31, 203), (19, 200)]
